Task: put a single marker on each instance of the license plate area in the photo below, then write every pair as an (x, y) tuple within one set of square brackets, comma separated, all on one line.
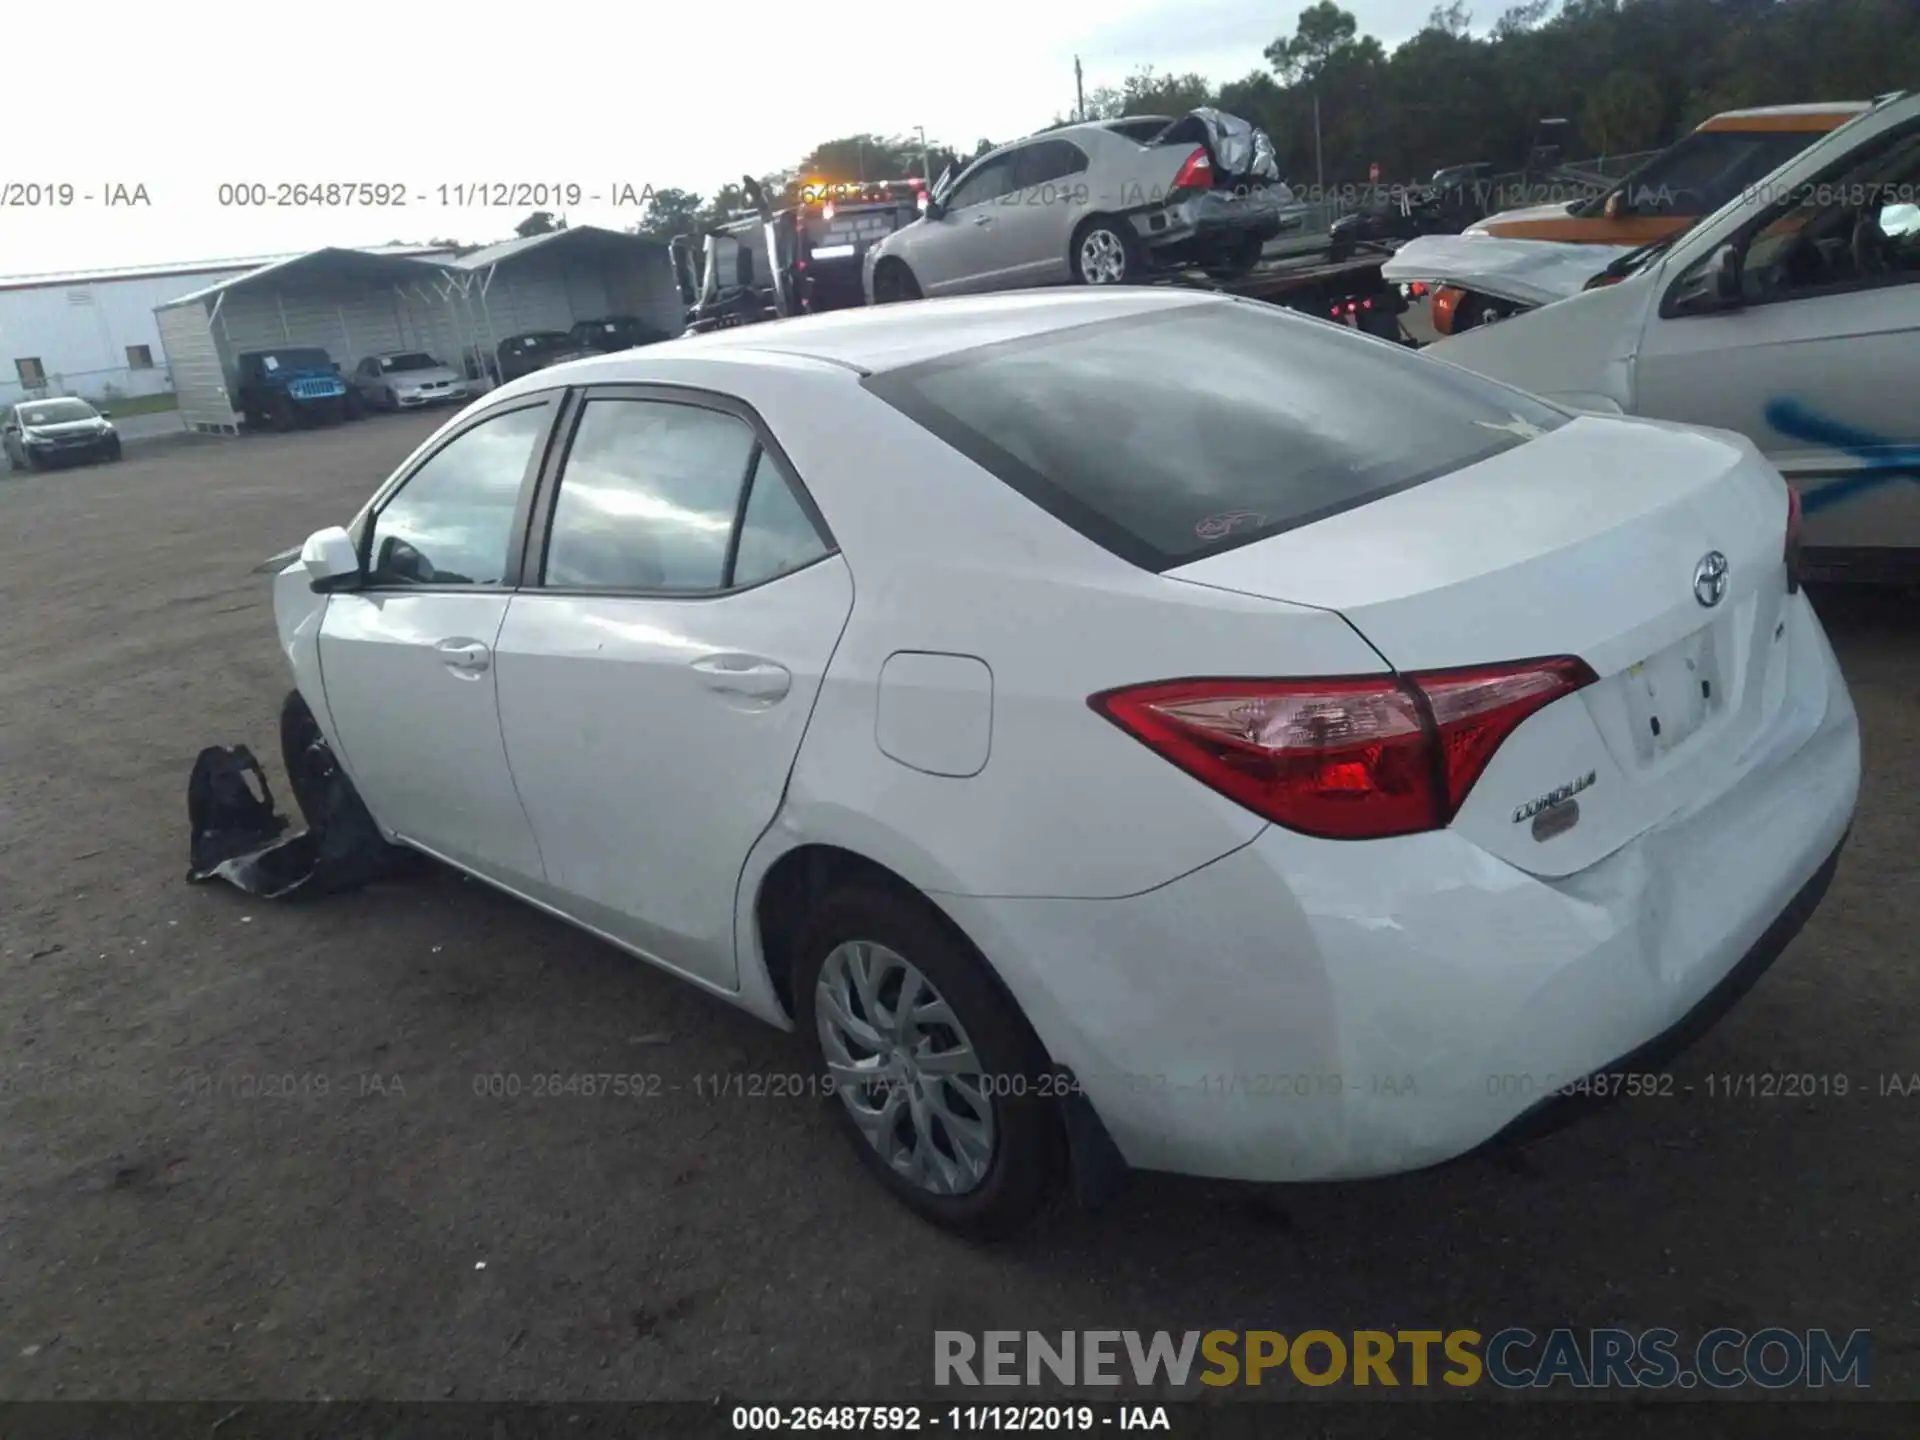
[(1671, 694)]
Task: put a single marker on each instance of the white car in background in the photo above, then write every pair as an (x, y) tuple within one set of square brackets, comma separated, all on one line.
[(408, 380), (1792, 316), (1104, 722)]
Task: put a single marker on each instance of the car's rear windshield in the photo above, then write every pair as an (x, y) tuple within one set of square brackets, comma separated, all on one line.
[(1185, 432)]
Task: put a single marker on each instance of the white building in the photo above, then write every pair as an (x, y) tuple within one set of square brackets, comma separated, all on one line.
[(92, 333)]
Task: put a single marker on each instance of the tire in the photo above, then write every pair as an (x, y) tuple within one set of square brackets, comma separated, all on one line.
[(982, 1194), (113, 453), (1105, 252), (1238, 260), (894, 282), (350, 406), (304, 751), (280, 412)]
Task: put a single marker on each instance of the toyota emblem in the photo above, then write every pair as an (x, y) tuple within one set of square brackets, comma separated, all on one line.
[(1710, 578)]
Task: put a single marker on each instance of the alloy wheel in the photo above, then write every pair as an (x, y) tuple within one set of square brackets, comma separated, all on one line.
[(905, 1068), (1103, 259)]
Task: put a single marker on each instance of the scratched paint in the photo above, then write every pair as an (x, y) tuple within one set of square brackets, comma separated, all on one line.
[(1887, 460)]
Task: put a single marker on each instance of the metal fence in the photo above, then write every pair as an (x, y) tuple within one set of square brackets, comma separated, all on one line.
[(1501, 192)]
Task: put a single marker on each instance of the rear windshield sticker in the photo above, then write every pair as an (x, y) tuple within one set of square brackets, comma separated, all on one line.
[(1218, 527)]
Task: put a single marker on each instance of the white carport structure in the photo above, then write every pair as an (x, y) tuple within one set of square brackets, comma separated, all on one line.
[(350, 303), (550, 281)]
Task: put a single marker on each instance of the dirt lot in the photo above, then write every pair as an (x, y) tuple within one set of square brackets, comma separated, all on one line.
[(166, 1231)]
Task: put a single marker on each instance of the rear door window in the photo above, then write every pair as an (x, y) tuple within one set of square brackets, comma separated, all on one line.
[(1178, 434)]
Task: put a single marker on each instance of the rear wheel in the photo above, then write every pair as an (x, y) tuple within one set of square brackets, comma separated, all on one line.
[(936, 1076), (1237, 259), (1105, 252)]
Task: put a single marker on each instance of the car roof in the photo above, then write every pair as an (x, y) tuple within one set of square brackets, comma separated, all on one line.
[(886, 337), (1838, 111)]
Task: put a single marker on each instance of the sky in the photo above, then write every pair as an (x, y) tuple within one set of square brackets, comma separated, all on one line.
[(194, 109)]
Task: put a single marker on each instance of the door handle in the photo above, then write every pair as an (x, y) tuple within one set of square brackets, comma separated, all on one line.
[(983, 219), (742, 675), (468, 657)]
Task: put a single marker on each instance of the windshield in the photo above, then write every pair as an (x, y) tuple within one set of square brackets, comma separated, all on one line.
[(1706, 170), (295, 360), (57, 412), (1178, 434), (409, 362)]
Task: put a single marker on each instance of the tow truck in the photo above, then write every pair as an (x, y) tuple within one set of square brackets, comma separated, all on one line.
[(802, 258), (805, 258)]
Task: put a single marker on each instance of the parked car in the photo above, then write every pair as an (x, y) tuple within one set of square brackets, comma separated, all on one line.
[(914, 610), (408, 380), (1689, 179), (614, 332), (1093, 205), (37, 434), (519, 355), (293, 386), (1791, 316)]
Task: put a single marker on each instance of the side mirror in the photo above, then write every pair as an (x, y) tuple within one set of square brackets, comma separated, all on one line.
[(106, 414), (1712, 286), (330, 561), (936, 209)]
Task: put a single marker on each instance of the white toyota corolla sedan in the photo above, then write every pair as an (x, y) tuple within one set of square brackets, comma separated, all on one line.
[(1124, 728)]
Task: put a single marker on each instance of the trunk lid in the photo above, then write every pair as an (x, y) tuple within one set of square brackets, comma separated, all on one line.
[(1587, 542)]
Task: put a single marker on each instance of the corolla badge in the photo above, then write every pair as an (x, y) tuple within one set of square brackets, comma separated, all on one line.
[(1710, 578), (1556, 796)]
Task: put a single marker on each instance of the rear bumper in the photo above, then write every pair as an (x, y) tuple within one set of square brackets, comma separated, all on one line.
[(1212, 217), (1594, 1091), (1308, 1010)]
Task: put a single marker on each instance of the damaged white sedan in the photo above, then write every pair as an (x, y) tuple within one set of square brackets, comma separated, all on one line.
[(1791, 316), (1105, 724)]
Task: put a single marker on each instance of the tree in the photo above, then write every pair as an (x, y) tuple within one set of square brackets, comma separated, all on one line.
[(1623, 114), (540, 222), (863, 157), (669, 212), (1324, 30)]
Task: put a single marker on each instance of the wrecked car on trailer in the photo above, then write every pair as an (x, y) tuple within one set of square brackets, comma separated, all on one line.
[(1105, 202)]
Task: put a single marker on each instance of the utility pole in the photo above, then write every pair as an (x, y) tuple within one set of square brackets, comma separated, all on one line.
[(926, 159), (1319, 169), (1079, 92)]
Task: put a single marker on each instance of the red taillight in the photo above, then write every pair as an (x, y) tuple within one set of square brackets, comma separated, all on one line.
[(922, 202), (1344, 759), (1793, 540), (1196, 174)]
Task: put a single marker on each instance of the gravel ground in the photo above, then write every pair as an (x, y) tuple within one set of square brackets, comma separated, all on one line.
[(169, 1231)]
